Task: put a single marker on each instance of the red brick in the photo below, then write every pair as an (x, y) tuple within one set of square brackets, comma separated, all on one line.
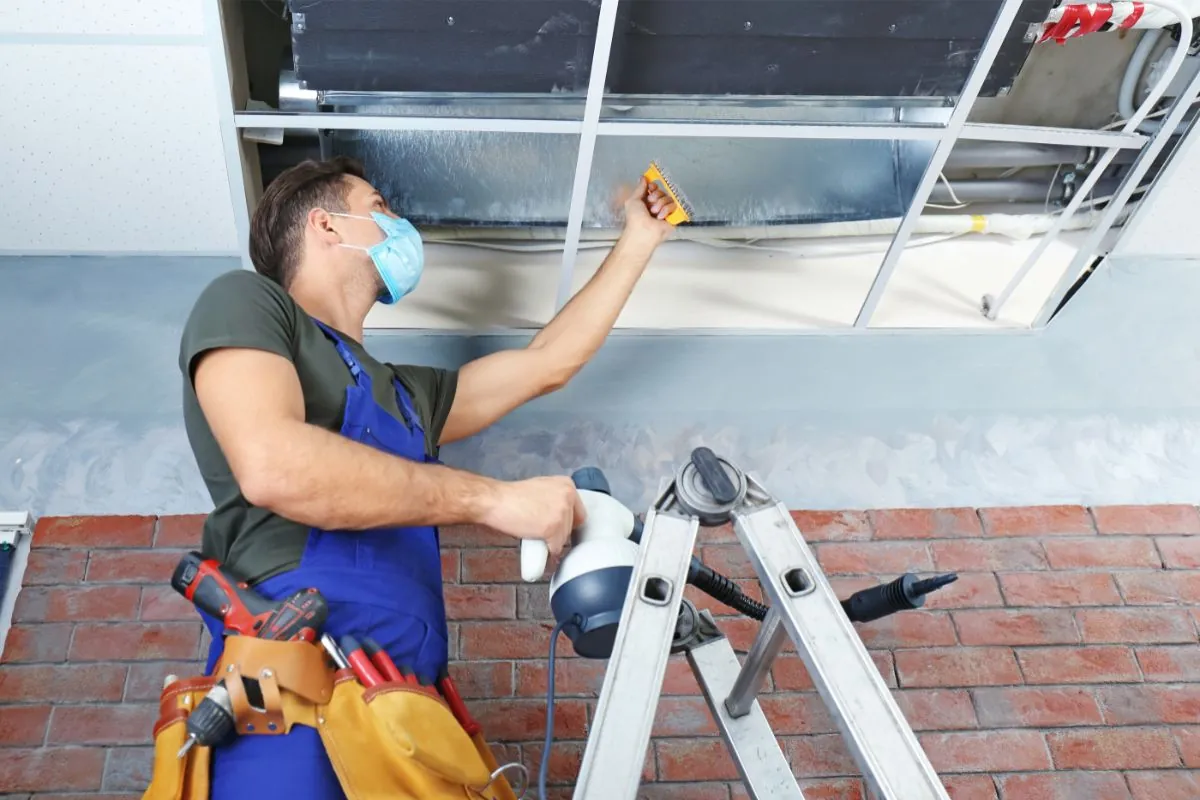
[(493, 565), (184, 530), (450, 559), (1064, 786), (937, 709), (66, 683), (1135, 625), (679, 680), (565, 761), (684, 791), (872, 558), (467, 536), (821, 789), (694, 760), (823, 756), (1059, 589), (90, 796), (1090, 553), (32, 643), (923, 523), (683, 716), (93, 532), (795, 714), (1153, 520), (789, 672), (728, 559), (572, 677), (832, 526), (1159, 587), (1180, 552), (124, 724), (519, 719), (1170, 663), (1174, 785), (975, 666), (1036, 521), (481, 602), (909, 629), (971, 590), (1113, 748), (989, 556), (508, 640), (51, 769), (22, 726), (162, 603), (136, 641), (76, 603), (1006, 626), (1078, 665), (986, 751), (146, 680), (718, 534), (128, 769), (132, 566), (47, 567), (1149, 704), (970, 787), (1030, 707), (1188, 740), (483, 679)]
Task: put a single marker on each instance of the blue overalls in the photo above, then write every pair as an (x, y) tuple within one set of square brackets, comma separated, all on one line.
[(382, 583)]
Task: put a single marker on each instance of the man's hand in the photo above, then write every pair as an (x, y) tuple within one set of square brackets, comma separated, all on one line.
[(538, 508), (646, 213)]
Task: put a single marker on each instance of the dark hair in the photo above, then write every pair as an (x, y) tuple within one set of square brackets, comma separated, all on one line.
[(277, 227)]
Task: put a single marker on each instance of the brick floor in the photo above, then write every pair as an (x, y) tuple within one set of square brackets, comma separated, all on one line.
[(1063, 664)]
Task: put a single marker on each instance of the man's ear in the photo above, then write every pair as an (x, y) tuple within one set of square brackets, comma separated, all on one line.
[(321, 223)]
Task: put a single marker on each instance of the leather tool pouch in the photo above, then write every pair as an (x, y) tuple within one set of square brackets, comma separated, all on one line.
[(395, 740)]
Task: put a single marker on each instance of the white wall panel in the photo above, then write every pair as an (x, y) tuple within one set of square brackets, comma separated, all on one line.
[(1165, 225), (112, 149), (107, 17)]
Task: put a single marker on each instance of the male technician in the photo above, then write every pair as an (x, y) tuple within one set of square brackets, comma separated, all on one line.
[(321, 460)]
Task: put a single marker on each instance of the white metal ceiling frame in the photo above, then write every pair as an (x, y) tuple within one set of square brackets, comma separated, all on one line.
[(945, 135)]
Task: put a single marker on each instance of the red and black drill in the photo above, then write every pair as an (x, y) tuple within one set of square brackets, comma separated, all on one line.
[(243, 612)]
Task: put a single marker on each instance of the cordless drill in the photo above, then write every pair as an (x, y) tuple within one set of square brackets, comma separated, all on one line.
[(243, 612)]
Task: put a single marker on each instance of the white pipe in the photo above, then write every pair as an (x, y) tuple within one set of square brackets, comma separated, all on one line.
[(1013, 226), (1133, 77)]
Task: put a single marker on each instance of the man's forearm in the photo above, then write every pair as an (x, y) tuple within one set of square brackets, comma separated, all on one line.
[(315, 477), (578, 330)]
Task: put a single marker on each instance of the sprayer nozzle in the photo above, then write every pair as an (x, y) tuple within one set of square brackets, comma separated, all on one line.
[(933, 584)]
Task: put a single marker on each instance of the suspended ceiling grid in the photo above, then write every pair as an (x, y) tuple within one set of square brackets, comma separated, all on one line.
[(1026, 280)]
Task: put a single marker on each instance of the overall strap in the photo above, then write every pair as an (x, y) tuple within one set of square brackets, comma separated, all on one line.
[(356, 371)]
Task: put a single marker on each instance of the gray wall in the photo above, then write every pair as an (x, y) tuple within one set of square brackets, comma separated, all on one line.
[(1102, 408)]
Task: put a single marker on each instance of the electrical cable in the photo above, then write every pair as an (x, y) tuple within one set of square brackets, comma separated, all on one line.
[(543, 770)]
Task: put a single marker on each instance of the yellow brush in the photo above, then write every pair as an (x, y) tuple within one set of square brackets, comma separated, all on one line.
[(683, 209)]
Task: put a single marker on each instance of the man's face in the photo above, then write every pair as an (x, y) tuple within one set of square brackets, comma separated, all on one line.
[(363, 200)]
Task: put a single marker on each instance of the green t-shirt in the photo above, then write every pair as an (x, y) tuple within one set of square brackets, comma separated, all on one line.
[(245, 309)]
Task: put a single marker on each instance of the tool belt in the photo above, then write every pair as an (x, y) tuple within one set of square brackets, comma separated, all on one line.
[(395, 740)]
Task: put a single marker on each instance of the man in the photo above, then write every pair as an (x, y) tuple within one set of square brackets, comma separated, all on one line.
[(322, 461)]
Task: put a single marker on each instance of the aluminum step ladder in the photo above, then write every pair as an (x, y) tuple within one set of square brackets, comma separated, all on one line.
[(657, 622)]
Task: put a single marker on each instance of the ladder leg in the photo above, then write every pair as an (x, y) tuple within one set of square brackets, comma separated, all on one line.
[(748, 736), (620, 735), (758, 663), (876, 732)]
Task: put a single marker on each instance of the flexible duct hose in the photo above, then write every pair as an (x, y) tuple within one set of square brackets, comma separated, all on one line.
[(1133, 77)]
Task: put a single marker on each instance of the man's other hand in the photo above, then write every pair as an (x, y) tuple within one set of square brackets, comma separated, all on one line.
[(538, 508), (646, 213)]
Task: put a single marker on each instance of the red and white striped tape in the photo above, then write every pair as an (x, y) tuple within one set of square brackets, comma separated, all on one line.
[(1072, 20)]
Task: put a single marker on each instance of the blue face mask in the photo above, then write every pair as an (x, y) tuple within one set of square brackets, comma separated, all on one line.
[(399, 258)]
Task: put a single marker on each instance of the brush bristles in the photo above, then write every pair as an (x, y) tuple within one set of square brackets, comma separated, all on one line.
[(683, 211)]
